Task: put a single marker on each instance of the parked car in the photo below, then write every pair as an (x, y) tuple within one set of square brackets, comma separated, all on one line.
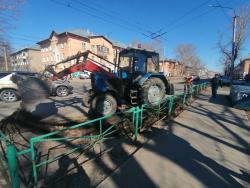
[(9, 90), (225, 81), (61, 88), (84, 75), (240, 94)]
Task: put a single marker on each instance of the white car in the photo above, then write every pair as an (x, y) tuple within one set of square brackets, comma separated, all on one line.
[(8, 89), (84, 75)]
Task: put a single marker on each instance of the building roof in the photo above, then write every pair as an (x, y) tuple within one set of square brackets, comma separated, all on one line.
[(33, 47), (86, 34), (119, 44)]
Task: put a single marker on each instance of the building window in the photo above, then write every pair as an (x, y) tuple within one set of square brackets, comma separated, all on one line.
[(93, 47), (102, 49), (83, 45)]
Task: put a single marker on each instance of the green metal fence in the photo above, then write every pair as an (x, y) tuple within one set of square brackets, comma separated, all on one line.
[(105, 128)]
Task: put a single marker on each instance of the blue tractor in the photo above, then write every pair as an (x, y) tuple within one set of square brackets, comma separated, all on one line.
[(136, 81)]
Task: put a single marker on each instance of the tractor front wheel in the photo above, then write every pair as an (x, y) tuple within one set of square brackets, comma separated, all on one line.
[(104, 104), (153, 91)]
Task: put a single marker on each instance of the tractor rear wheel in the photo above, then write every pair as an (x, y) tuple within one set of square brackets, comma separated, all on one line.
[(104, 104), (153, 91)]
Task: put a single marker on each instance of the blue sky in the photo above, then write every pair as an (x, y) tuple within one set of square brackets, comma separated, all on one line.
[(128, 20)]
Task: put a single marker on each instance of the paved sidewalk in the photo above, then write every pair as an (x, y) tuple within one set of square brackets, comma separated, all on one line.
[(205, 146)]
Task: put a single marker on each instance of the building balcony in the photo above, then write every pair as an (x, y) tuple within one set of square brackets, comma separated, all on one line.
[(102, 54)]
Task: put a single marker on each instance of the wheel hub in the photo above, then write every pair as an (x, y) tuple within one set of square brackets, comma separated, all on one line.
[(154, 94), (9, 96)]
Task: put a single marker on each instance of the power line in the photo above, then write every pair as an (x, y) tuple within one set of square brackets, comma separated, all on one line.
[(93, 15), (130, 27), (21, 38), (110, 15), (223, 11), (161, 32)]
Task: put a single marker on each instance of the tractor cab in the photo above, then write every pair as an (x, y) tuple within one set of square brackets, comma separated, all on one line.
[(134, 62)]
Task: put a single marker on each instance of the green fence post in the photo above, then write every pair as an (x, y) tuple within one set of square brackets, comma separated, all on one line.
[(137, 110), (170, 105), (184, 98), (12, 164), (33, 159)]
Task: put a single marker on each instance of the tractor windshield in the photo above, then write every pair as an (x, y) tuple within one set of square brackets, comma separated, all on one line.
[(139, 61)]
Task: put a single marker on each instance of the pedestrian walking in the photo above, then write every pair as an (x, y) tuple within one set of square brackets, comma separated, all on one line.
[(187, 84), (215, 84)]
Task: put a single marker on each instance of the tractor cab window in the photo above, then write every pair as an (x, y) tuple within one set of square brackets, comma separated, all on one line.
[(139, 63), (152, 64), (124, 63)]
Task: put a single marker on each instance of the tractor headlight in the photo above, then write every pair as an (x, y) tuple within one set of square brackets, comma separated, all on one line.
[(242, 95)]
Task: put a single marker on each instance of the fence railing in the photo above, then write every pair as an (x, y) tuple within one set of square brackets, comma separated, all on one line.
[(105, 127)]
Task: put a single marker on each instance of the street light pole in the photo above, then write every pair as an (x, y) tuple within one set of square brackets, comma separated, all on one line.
[(233, 46), (233, 38)]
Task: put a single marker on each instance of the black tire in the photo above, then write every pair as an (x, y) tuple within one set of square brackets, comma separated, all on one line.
[(8, 95), (153, 99), (62, 91), (98, 104), (87, 97), (171, 89)]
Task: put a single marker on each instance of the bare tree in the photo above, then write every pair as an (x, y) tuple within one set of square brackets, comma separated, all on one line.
[(8, 13), (186, 54), (242, 31)]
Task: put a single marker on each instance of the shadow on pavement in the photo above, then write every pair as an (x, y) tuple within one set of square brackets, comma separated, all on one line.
[(206, 170), (220, 99), (44, 110), (78, 178)]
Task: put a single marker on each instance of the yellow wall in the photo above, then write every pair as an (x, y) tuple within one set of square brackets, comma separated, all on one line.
[(71, 46)]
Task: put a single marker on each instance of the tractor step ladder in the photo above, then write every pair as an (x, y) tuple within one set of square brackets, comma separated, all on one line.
[(133, 96)]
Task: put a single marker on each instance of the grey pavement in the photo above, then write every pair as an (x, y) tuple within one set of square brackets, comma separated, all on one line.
[(7, 109), (205, 146)]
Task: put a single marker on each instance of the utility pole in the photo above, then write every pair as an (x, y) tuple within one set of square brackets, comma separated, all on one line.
[(231, 68), (5, 57), (233, 46)]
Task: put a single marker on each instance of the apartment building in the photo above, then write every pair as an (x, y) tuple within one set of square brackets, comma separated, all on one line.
[(26, 59), (242, 69), (171, 68), (59, 46)]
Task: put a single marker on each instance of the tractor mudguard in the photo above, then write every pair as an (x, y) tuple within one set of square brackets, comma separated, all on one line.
[(98, 82), (103, 84), (145, 77)]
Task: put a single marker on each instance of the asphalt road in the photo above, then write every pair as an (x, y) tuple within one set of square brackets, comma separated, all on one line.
[(70, 105)]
